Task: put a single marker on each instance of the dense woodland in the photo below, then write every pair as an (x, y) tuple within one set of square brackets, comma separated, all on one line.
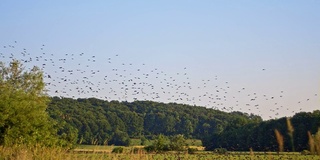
[(94, 121), (261, 136)]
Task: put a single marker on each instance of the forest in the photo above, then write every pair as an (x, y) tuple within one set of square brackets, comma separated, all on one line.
[(99, 122)]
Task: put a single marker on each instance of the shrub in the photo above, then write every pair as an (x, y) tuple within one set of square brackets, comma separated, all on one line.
[(177, 143), (149, 149), (144, 141), (220, 151), (117, 150), (161, 143), (120, 138)]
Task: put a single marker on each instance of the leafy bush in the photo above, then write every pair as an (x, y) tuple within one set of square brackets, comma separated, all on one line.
[(177, 143), (144, 140), (161, 143), (220, 151), (117, 150), (120, 138), (149, 149)]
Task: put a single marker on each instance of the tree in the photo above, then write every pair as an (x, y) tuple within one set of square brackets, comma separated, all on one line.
[(161, 143), (177, 143), (23, 104)]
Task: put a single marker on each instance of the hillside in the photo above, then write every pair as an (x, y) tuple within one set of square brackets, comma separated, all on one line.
[(94, 121)]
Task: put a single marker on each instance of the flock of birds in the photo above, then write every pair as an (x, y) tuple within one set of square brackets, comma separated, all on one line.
[(82, 75)]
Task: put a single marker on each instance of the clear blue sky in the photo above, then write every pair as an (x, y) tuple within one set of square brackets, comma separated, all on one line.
[(270, 48)]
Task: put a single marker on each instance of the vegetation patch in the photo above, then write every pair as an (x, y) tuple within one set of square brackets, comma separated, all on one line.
[(117, 150)]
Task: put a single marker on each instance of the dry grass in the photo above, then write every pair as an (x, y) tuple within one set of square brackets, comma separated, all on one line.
[(311, 143), (93, 152), (314, 142), (43, 153), (279, 140), (35, 152), (317, 141)]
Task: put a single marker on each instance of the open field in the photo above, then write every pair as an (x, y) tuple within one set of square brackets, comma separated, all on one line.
[(104, 152)]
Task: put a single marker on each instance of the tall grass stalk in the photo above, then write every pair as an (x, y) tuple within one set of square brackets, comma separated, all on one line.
[(314, 142), (290, 133), (279, 140), (311, 143), (251, 153), (317, 141)]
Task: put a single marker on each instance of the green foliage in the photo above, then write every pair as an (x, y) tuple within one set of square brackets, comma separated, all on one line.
[(177, 143), (144, 141), (161, 143), (98, 120), (23, 105), (220, 151), (68, 133), (117, 150), (150, 148), (261, 136), (120, 138)]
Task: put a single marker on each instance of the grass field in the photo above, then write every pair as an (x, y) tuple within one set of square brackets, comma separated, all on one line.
[(104, 152), (92, 152)]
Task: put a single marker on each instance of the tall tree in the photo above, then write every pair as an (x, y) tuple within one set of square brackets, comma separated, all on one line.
[(23, 104)]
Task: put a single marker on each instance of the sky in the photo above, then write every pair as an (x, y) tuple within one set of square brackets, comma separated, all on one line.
[(259, 57)]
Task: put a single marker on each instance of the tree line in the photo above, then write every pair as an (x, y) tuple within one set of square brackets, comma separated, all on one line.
[(102, 122)]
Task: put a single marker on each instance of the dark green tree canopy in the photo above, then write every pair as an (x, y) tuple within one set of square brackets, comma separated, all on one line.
[(100, 120)]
